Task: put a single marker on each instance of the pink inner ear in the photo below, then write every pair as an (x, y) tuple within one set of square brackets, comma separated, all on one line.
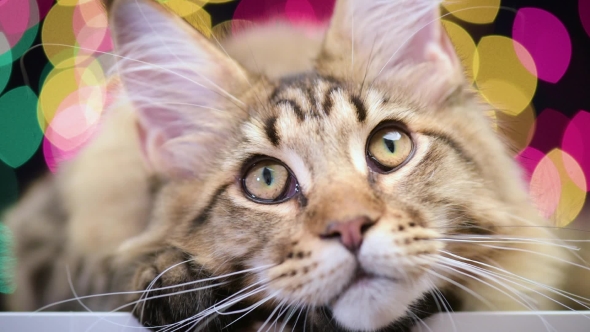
[(401, 32), (178, 83), (443, 52), (430, 41)]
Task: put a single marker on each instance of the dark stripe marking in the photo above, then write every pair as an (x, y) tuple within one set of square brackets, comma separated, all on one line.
[(302, 200), (361, 110), (452, 144), (310, 93), (206, 213), (328, 102), (270, 128), (293, 106)]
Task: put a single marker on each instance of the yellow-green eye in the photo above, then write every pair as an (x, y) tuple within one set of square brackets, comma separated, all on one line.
[(389, 147), (268, 181)]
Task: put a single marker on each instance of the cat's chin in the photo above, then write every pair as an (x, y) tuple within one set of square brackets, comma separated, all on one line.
[(373, 303)]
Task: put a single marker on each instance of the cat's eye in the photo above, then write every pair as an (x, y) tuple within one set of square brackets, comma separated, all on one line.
[(388, 148), (267, 180)]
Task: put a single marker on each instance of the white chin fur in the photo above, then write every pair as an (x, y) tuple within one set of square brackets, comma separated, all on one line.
[(373, 304)]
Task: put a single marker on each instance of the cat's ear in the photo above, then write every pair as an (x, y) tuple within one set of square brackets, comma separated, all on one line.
[(374, 39), (182, 87)]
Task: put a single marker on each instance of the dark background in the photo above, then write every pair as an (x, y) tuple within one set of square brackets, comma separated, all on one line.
[(569, 95)]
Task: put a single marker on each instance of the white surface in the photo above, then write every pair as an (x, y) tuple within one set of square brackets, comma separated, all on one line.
[(461, 322)]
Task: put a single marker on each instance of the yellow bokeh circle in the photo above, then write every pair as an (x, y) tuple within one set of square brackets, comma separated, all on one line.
[(465, 47), (558, 187), (192, 11), (473, 11), (501, 78), (61, 83), (517, 129), (58, 37)]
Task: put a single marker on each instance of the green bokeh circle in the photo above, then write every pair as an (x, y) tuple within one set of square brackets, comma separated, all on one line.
[(20, 134)]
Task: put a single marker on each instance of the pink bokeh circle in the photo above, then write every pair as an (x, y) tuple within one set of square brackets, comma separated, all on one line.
[(584, 11), (14, 19), (545, 186), (550, 126), (296, 11), (546, 39), (576, 141), (528, 159)]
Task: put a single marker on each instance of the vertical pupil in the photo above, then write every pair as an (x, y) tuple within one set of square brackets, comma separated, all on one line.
[(267, 176), (390, 144)]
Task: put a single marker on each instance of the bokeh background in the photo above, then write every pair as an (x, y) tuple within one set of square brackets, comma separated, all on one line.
[(529, 59)]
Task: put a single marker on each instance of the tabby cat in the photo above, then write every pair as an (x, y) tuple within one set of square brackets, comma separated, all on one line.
[(338, 178)]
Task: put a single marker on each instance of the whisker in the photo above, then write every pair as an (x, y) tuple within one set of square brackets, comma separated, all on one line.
[(71, 284), (281, 314), (154, 289), (492, 277), (269, 317), (537, 253), (419, 320), (288, 318), (248, 309), (506, 241), (565, 294), (497, 275), (501, 237), (305, 320), (253, 307), (438, 296), (474, 294), (516, 292), (152, 284), (516, 226)]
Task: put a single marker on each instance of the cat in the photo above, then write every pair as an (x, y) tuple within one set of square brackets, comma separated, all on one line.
[(340, 178)]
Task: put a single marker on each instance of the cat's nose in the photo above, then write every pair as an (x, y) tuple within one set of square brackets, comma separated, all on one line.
[(350, 232)]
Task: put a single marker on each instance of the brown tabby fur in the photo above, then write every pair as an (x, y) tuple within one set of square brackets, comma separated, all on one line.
[(117, 223)]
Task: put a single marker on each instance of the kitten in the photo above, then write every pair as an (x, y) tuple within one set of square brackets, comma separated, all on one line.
[(343, 182)]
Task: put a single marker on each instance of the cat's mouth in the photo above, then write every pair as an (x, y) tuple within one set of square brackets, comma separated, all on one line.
[(362, 278)]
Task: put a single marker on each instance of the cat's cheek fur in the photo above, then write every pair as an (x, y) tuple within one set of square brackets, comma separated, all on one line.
[(312, 273), (399, 255)]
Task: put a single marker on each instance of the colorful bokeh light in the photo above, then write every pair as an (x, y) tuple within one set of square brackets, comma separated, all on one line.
[(502, 78), (7, 261), (517, 129), (477, 12), (576, 140), (9, 187), (584, 12), (295, 11), (465, 47), (546, 40), (20, 134), (5, 62), (551, 125)]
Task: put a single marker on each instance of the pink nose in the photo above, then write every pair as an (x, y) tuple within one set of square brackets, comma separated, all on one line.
[(350, 232)]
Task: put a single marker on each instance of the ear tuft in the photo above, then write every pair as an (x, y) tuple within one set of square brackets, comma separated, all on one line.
[(182, 87), (378, 39)]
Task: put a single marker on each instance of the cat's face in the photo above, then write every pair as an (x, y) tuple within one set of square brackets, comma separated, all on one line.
[(338, 198), (337, 187)]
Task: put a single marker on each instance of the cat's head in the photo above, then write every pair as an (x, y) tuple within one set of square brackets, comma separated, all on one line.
[(338, 186)]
